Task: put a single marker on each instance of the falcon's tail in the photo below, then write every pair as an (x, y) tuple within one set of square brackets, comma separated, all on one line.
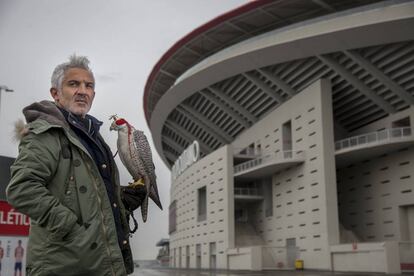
[(144, 209), (153, 194)]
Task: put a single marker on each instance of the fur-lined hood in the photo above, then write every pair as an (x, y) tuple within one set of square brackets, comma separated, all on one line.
[(44, 110)]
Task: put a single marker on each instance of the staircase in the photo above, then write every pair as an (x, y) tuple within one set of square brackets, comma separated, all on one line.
[(347, 236), (246, 235)]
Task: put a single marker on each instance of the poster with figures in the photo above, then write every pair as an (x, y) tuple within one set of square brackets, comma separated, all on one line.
[(13, 256), (14, 231)]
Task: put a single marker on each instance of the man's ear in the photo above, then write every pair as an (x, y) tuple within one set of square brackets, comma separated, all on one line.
[(54, 93)]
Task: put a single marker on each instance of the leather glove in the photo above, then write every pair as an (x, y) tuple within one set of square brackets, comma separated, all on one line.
[(132, 197)]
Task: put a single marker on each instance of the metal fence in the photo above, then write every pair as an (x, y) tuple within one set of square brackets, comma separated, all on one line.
[(373, 137), (247, 152), (246, 191), (269, 158)]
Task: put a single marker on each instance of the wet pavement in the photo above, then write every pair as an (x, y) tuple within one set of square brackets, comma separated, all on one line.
[(194, 272)]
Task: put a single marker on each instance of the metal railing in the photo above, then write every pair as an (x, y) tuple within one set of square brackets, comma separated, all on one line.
[(246, 191), (279, 156), (373, 137), (247, 152)]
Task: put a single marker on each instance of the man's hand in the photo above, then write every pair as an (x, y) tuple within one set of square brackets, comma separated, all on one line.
[(133, 196)]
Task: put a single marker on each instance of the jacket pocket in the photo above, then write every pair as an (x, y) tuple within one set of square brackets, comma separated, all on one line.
[(77, 253), (71, 200), (69, 237)]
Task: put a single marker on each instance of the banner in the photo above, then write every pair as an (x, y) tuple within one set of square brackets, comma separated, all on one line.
[(12, 223), (13, 256)]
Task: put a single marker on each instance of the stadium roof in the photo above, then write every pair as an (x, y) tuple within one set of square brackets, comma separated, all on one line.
[(371, 73)]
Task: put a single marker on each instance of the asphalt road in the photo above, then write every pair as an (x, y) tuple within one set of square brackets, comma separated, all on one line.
[(182, 272), (175, 272)]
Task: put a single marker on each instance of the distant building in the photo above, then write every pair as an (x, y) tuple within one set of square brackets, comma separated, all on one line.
[(287, 127), (163, 256)]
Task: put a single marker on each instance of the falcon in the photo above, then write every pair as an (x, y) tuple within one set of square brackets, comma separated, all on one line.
[(135, 153)]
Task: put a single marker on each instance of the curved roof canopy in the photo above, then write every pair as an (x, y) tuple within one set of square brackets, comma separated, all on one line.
[(227, 74)]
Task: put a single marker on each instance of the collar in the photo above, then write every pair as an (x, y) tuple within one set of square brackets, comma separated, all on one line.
[(89, 124)]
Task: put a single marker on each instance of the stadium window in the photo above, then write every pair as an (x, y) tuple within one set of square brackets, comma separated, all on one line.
[(173, 217), (198, 255), (202, 204), (268, 196), (287, 136)]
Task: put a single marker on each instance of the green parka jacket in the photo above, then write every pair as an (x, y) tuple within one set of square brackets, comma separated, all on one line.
[(72, 228)]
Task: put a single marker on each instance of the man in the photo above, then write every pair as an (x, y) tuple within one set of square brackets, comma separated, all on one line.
[(18, 256), (66, 181)]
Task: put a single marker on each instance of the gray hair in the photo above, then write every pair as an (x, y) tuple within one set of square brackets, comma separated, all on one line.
[(75, 61)]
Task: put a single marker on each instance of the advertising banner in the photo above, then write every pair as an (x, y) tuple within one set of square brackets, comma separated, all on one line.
[(12, 222), (13, 256), (14, 229)]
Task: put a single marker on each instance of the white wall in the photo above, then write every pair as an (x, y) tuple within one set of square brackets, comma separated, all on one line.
[(246, 258), (215, 172), (304, 197), (366, 257), (372, 191)]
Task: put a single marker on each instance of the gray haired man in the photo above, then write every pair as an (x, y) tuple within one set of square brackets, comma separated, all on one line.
[(66, 181)]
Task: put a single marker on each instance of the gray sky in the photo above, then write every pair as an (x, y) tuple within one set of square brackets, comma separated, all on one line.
[(123, 39)]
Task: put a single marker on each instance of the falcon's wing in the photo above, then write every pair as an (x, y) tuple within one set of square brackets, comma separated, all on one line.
[(127, 159), (144, 153)]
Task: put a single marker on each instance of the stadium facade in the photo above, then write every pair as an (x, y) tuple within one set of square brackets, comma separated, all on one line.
[(291, 124)]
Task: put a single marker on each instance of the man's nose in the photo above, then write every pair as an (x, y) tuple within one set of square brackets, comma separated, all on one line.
[(82, 88)]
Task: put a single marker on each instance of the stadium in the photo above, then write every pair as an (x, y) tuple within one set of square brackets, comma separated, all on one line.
[(287, 127)]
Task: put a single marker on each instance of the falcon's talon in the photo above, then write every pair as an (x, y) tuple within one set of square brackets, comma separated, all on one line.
[(139, 182)]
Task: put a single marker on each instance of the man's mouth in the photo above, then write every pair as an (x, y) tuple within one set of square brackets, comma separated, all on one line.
[(82, 101)]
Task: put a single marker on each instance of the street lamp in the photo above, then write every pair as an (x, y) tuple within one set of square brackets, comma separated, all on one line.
[(4, 88)]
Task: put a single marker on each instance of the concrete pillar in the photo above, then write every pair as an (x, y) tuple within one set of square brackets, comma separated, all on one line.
[(392, 257)]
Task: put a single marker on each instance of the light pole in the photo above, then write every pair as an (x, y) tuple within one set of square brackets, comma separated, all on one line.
[(6, 89)]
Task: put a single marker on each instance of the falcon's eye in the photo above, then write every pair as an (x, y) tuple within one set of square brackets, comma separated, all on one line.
[(120, 122)]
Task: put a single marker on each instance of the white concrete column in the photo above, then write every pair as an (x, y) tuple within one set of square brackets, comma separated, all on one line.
[(392, 257)]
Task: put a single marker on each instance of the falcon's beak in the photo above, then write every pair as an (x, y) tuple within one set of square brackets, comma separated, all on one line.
[(113, 126)]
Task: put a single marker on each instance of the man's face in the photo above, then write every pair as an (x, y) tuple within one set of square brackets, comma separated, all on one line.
[(77, 92)]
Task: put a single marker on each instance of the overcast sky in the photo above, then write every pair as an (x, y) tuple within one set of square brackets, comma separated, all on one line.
[(123, 40)]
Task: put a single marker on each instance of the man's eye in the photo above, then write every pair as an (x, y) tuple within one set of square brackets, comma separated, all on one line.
[(73, 83), (90, 85)]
